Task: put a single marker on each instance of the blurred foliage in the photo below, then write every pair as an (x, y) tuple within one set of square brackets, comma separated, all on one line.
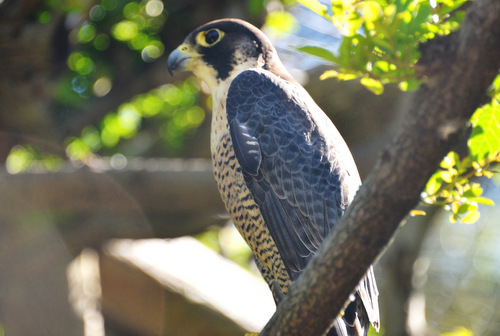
[(174, 105), (228, 242), (459, 331), (25, 157), (450, 186), (98, 29), (381, 37), (107, 22)]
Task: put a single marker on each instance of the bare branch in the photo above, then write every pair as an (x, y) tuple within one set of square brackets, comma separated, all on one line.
[(462, 65)]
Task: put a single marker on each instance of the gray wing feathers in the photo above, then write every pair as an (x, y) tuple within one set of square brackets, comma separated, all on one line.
[(292, 174), (298, 169)]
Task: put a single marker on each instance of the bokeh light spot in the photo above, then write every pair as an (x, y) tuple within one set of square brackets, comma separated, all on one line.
[(84, 65), (86, 33), (118, 161), (151, 105), (150, 53), (171, 94), (128, 119), (101, 86), (97, 13), (154, 8), (19, 159), (140, 41), (195, 116), (79, 84), (125, 30), (131, 9)]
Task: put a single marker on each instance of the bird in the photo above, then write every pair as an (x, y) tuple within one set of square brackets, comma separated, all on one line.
[(282, 168)]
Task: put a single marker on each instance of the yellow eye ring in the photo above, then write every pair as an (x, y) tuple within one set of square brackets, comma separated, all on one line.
[(209, 37)]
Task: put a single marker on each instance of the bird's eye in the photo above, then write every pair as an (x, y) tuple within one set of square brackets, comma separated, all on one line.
[(208, 38), (211, 37)]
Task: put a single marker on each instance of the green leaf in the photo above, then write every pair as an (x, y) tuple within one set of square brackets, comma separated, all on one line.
[(433, 184), (374, 85), (446, 176), (476, 189), (319, 52), (471, 217), (371, 10), (450, 160), (481, 200), (316, 6), (463, 208), (459, 331), (417, 212), (328, 74), (484, 140)]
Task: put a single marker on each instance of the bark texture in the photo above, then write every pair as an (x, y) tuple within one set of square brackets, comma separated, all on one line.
[(459, 69)]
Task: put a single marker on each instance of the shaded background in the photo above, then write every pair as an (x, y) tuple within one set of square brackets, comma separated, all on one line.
[(98, 143)]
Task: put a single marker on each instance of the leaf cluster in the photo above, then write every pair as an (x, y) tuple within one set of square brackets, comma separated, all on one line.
[(450, 186), (380, 37)]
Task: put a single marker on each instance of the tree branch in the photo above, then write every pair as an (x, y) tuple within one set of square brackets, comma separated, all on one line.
[(467, 62)]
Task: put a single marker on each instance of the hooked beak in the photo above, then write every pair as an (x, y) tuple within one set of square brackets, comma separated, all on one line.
[(180, 59)]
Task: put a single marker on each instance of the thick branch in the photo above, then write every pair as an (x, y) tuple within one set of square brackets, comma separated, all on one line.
[(438, 115)]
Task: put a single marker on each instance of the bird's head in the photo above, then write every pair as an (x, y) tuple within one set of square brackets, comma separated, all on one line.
[(223, 48)]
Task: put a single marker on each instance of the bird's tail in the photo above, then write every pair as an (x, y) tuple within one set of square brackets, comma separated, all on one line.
[(354, 322)]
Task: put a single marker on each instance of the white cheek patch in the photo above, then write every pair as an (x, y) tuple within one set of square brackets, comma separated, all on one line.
[(205, 72)]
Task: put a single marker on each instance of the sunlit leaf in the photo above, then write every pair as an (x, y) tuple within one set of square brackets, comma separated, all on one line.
[(450, 160), (481, 200), (318, 52), (471, 217), (484, 140), (459, 331), (446, 176), (433, 184), (415, 212), (371, 10), (316, 6), (328, 74), (455, 207), (373, 85), (476, 189)]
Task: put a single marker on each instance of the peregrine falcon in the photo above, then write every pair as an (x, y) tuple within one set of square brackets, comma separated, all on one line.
[(283, 170)]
